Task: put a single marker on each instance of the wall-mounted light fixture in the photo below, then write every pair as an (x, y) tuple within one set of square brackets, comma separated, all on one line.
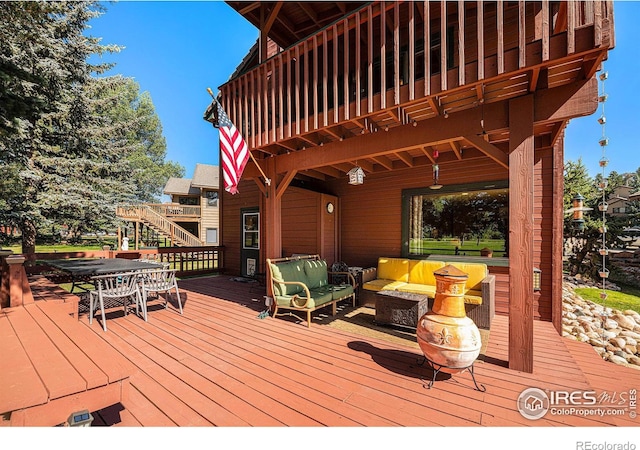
[(537, 274)]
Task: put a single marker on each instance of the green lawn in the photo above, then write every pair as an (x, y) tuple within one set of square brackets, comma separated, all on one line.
[(448, 246), (627, 298), (57, 248)]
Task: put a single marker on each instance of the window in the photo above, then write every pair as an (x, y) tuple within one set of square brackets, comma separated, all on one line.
[(251, 231), (212, 236), (457, 220), (212, 198), (192, 201)]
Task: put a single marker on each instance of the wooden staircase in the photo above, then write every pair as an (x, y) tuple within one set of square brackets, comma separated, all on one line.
[(161, 224)]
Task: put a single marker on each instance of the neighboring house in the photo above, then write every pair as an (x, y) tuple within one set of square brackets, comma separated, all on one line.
[(620, 201), (201, 191), (469, 97), (193, 216)]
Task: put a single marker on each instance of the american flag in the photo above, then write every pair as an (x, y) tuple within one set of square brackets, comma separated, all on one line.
[(234, 151)]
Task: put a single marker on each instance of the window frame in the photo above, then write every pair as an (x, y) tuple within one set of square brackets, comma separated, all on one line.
[(407, 194)]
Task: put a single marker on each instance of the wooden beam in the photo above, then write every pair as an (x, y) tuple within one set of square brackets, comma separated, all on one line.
[(488, 149), (405, 158), (455, 146), (383, 161), (284, 183), (521, 195), (428, 152)]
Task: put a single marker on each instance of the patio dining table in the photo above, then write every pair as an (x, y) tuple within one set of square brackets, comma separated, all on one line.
[(81, 270)]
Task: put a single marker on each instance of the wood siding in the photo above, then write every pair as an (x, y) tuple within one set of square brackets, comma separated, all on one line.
[(210, 218), (370, 218)]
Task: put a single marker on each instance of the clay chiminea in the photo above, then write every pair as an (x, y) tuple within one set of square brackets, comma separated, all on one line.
[(449, 339)]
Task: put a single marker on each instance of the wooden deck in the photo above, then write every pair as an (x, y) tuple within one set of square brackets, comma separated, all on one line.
[(221, 365), (52, 366)]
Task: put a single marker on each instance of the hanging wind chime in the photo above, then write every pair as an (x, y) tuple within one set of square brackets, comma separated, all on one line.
[(436, 171), (603, 206)]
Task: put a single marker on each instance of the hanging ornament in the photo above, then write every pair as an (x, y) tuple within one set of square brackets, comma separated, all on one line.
[(603, 206), (436, 171)]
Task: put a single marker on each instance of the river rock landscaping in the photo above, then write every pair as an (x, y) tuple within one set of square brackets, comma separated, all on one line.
[(614, 335)]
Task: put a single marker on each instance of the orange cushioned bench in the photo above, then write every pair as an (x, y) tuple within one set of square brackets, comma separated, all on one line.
[(52, 365)]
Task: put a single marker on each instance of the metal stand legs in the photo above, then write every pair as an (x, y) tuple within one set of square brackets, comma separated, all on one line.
[(436, 368)]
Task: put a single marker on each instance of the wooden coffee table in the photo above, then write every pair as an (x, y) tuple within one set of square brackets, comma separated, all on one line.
[(400, 308)]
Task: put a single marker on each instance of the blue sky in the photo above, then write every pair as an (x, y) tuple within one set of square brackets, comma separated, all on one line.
[(176, 49)]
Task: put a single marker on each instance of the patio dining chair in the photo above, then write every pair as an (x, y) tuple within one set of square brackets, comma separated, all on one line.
[(115, 286), (157, 281)]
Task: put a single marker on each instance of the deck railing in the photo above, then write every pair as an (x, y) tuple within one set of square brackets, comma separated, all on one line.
[(337, 75), (186, 260), (176, 210)]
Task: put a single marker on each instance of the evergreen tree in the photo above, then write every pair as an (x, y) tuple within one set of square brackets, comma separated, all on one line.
[(72, 145)]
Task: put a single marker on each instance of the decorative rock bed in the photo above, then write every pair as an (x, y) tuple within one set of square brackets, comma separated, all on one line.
[(614, 335)]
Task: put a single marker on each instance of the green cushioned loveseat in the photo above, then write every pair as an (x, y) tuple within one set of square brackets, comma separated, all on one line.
[(416, 276), (301, 283)]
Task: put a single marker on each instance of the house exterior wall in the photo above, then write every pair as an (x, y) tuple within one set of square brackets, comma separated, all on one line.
[(210, 216)]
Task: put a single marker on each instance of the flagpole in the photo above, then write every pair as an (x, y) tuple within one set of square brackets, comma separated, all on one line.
[(267, 180)]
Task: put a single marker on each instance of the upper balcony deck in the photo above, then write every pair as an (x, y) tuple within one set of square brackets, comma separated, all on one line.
[(386, 65)]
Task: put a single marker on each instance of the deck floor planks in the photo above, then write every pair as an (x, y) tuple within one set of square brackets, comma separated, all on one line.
[(199, 375), (298, 358), (88, 370), (58, 375), (348, 378), (25, 388), (244, 365), (110, 361), (152, 362), (297, 330), (338, 356)]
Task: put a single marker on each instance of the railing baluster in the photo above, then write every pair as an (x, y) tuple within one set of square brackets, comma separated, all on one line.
[(427, 49), (522, 42), (396, 53), (383, 56), (369, 60), (480, 35), (461, 57), (336, 118), (358, 46), (346, 69), (571, 27), (500, 28), (412, 51), (315, 82), (443, 45)]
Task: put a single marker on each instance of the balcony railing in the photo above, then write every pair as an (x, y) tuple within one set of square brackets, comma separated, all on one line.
[(374, 61)]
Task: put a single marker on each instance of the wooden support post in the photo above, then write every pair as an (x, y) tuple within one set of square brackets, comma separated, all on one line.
[(19, 290), (558, 228), (272, 215), (521, 162), (4, 278)]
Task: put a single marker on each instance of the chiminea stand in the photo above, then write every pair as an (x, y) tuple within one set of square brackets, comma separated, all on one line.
[(436, 368)]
